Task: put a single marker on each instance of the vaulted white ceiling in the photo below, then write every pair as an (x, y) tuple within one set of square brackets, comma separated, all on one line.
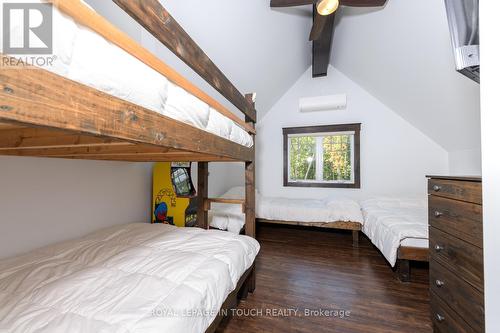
[(259, 49), (402, 55)]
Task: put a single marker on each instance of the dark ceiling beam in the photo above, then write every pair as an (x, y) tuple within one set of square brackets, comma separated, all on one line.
[(291, 3), (322, 47)]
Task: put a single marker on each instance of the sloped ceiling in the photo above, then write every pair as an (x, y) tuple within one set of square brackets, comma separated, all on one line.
[(260, 50), (402, 55)]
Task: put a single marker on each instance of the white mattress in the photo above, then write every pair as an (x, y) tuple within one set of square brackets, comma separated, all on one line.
[(130, 278), (231, 218), (391, 222), (84, 56)]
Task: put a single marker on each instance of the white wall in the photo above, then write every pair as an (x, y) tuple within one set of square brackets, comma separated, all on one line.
[(43, 201), (490, 106), (395, 156), (465, 162)]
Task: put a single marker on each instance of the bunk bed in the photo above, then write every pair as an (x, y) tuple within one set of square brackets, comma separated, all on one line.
[(46, 113)]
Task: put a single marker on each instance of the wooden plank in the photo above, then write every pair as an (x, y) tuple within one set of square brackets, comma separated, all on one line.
[(322, 47), (146, 158), (250, 225), (413, 253), (158, 21), (202, 216), (328, 225), (111, 150), (210, 201), (92, 20), (36, 97), (29, 138)]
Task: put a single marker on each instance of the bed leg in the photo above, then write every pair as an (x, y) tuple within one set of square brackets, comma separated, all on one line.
[(252, 281), (355, 238), (403, 270), (202, 216)]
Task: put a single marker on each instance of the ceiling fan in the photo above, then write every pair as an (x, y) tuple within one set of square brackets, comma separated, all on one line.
[(323, 22)]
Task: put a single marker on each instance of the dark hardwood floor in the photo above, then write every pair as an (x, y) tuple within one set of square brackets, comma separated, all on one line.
[(310, 269)]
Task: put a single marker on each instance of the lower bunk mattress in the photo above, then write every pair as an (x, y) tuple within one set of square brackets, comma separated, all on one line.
[(391, 223), (231, 218), (129, 278)]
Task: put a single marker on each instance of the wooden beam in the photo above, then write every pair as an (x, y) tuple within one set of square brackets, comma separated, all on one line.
[(202, 214), (115, 150), (92, 20), (158, 21), (321, 48), (36, 97), (145, 158), (208, 202), (250, 227), (29, 138)]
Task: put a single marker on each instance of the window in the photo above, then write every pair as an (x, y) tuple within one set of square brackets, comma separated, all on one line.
[(322, 156)]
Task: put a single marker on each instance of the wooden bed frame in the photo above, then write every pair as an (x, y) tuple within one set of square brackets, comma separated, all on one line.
[(46, 115), (407, 254), (355, 227)]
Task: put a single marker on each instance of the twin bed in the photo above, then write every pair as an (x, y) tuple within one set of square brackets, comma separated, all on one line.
[(397, 227), (105, 97), (130, 278)]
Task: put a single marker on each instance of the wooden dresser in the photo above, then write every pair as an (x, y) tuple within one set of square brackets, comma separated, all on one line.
[(456, 254)]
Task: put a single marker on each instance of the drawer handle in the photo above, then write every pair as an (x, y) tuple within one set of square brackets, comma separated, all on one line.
[(439, 318), (439, 283), (436, 188), (438, 248), (438, 214)]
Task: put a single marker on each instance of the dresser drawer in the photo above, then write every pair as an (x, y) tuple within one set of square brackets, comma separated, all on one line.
[(464, 190), (458, 218), (460, 296), (445, 320), (462, 258)]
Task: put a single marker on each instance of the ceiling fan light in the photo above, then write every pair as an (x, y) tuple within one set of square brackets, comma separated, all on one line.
[(327, 7)]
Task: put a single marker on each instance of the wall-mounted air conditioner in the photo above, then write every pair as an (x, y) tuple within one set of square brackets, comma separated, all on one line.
[(323, 103)]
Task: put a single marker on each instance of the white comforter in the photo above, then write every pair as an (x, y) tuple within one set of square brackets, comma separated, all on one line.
[(84, 56), (389, 221), (129, 278), (231, 218)]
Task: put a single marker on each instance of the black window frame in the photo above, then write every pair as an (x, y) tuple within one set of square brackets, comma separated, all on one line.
[(356, 128)]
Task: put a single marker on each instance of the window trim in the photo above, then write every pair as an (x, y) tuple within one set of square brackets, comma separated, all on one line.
[(356, 128)]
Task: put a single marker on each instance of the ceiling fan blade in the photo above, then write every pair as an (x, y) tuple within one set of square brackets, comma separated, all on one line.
[(318, 25), (291, 3), (363, 3)]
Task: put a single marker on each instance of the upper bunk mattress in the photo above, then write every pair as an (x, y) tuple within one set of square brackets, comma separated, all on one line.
[(82, 55), (129, 278), (391, 223)]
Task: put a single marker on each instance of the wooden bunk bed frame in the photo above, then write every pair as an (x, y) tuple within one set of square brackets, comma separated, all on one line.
[(46, 115)]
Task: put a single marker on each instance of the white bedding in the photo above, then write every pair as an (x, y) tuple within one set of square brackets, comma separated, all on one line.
[(391, 222), (84, 56), (231, 218), (130, 278)]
